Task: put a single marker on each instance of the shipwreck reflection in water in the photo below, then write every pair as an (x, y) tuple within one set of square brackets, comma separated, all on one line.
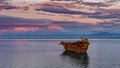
[(79, 60)]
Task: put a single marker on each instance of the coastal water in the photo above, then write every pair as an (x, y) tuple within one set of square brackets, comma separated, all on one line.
[(21, 53)]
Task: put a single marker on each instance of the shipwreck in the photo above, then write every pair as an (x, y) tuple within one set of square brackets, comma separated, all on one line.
[(79, 47)]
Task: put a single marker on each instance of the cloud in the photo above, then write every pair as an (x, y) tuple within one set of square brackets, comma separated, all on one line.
[(18, 29), (26, 29), (56, 4), (29, 28), (16, 25), (106, 27), (99, 4), (56, 17), (9, 7), (1, 1), (6, 6), (54, 7), (106, 15), (55, 28)]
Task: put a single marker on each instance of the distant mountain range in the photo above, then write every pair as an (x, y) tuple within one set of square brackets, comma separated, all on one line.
[(99, 35), (104, 35)]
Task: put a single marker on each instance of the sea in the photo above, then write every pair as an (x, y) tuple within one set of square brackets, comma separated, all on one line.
[(48, 53)]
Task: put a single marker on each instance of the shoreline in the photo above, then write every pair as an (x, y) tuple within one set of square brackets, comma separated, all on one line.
[(56, 39)]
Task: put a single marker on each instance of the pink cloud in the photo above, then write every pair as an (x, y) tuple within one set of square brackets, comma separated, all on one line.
[(3, 31), (68, 5), (55, 27), (6, 6), (26, 29), (2, 5), (22, 7), (20, 29), (23, 29)]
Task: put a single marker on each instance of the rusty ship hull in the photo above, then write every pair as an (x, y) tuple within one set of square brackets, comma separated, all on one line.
[(76, 47)]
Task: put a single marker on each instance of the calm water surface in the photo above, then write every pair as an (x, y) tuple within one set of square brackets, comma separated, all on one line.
[(49, 54)]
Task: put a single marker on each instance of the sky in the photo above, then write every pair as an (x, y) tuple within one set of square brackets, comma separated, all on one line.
[(52, 18)]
